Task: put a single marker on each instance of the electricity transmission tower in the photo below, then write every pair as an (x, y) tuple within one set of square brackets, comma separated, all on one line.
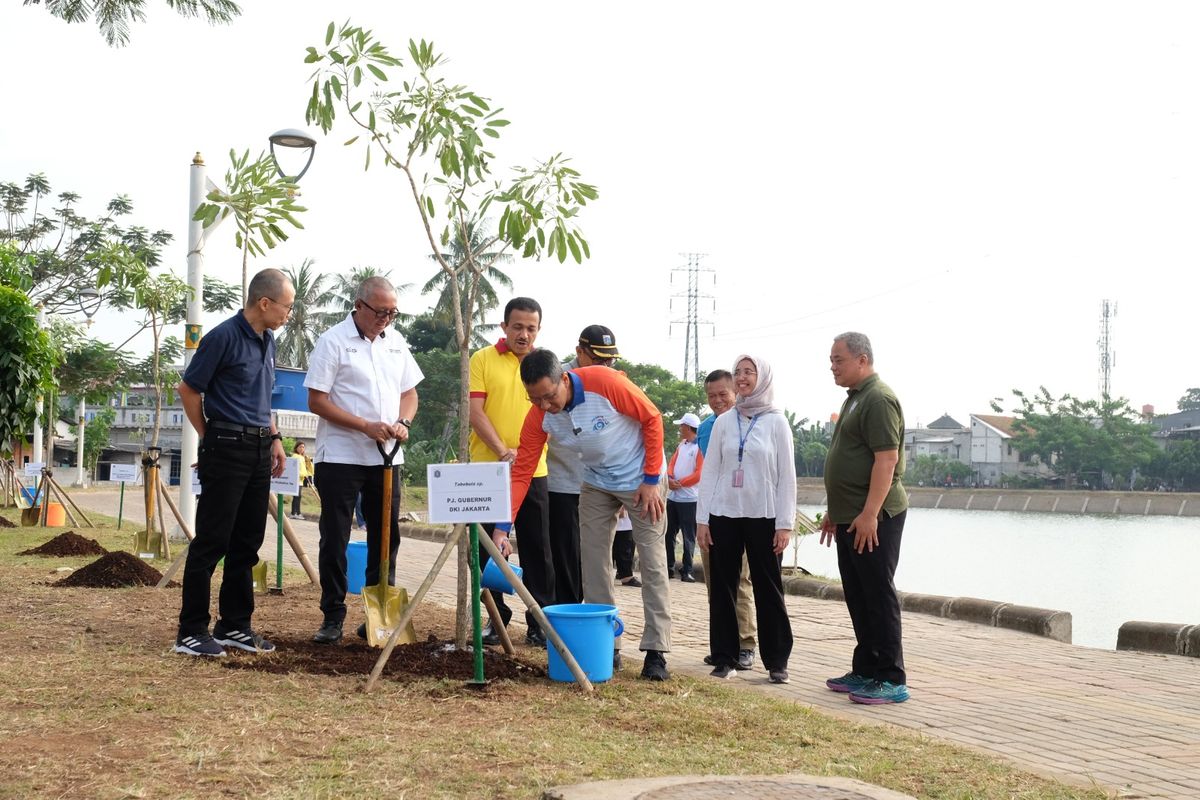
[(1108, 357), (692, 323)]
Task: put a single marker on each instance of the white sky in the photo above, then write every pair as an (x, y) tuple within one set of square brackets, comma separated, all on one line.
[(964, 182)]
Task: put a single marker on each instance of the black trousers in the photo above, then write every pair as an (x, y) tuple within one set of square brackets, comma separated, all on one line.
[(564, 547), (532, 526), (231, 519), (339, 486), (622, 554), (733, 536), (872, 600), (681, 517), (296, 499)]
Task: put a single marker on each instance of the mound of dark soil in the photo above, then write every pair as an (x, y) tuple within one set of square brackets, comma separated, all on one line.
[(5, 522), (113, 571), (69, 543), (354, 657)]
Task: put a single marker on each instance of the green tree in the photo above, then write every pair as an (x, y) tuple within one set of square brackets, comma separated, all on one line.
[(476, 290), (114, 17), (259, 201), (344, 291), (1190, 400), (27, 361), (936, 470), (300, 332), (57, 252), (95, 438), (432, 134), (673, 396), (1092, 440)]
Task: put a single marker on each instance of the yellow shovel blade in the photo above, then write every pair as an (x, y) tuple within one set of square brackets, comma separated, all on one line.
[(384, 614)]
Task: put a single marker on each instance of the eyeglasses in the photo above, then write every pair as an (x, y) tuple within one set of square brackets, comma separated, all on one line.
[(546, 398), (276, 302), (744, 373), (382, 315)]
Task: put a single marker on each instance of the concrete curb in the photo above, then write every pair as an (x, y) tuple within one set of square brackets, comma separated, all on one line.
[(706, 786), (1045, 622), (1160, 637)]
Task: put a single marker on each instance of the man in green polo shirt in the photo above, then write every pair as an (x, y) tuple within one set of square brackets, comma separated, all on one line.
[(867, 507)]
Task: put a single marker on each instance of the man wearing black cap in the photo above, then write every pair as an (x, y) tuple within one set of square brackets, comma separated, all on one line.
[(597, 347)]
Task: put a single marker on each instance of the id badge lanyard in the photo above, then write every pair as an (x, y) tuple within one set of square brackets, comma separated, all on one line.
[(738, 475)]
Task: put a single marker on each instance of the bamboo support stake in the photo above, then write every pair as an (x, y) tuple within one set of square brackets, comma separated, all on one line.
[(75, 505), (164, 540), (175, 565), (59, 494), (497, 624), (166, 496)]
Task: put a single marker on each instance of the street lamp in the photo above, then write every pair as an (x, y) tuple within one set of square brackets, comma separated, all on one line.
[(198, 187), (89, 304)]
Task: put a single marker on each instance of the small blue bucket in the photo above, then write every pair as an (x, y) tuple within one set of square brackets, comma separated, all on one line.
[(30, 495), (492, 578), (356, 566), (589, 630)]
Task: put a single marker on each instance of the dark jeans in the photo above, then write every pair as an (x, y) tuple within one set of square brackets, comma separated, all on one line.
[(681, 517), (231, 517), (872, 601), (296, 500), (532, 526), (733, 536), (564, 547), (339, 485), (622, 554)]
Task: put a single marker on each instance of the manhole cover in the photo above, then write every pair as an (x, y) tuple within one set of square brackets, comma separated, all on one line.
[(757, 788)]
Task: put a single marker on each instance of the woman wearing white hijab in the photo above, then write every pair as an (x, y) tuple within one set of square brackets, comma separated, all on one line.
[(747, 504)]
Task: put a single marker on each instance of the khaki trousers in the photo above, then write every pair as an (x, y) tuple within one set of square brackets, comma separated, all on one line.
[(597, 526), (746, 618)]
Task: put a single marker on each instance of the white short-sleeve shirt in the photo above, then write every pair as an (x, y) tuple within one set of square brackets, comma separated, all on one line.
[(364, 378)]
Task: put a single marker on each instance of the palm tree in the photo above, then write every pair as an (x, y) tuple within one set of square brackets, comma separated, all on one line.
[(340, 298), (302, 328), (475, 290)]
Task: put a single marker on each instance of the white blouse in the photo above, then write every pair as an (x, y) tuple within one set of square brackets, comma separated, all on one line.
[(768, 466)]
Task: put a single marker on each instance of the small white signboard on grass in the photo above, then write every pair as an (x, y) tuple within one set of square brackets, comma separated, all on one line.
[(469, 492), (289, 482), (123, 473), (33, 469)]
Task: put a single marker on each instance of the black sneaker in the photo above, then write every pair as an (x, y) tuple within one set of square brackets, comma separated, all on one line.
[(616, 660), (746, 659), (202, 645), (535, 639), (708, 660), (631, 582), (654, 668), (329, 633), (490, 637), (246, 640), (779, 676), (687, 577), (361, 631), (724, 672)]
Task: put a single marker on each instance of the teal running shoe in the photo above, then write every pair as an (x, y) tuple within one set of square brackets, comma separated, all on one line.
[(879, 692), (850, 682)]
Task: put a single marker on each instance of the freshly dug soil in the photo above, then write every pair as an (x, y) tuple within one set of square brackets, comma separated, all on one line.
[(113, 571), (69, 543), (5, 522), (352, 656)]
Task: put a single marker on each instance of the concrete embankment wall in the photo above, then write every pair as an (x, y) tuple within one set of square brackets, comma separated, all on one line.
[(1172, 504)]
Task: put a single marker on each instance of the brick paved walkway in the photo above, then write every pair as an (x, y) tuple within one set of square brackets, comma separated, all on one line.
[(1128, 721)]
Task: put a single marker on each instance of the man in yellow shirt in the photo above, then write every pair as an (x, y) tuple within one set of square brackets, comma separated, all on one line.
[(499, 404)]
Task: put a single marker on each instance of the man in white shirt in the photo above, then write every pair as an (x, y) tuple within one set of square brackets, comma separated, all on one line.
[(683, 473), (362, 383)]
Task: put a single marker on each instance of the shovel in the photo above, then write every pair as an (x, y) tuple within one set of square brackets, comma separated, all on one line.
[(31, 514), (385, 604)]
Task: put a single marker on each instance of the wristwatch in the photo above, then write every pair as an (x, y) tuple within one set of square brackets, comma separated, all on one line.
[(277, 436), (405, 422)]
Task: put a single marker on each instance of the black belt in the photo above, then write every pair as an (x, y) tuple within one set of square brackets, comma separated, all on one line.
[(248, 430)]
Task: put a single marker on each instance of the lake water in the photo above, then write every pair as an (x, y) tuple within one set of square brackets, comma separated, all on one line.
[(1104, 570)]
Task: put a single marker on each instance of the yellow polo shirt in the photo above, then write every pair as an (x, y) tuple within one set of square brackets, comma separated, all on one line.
[(496, 377)]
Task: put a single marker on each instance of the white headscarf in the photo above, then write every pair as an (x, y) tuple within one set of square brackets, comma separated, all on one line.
[(762, 399)]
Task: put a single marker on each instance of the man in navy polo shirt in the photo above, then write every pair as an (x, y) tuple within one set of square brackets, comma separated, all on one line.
[(226, 393)]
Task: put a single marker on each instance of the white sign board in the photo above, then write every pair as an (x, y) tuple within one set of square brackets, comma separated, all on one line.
[(125, 473), (289, 482), (469, 492), (195, 481), (33, 469)]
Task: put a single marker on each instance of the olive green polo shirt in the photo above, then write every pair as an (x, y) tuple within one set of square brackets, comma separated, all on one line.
[(871, 421)]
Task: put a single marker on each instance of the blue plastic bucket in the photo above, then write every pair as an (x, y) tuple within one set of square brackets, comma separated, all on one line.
[(492, 578), (589, 631), (356, 566), (30, 495)]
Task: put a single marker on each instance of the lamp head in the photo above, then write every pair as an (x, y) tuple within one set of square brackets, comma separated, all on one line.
[(293, 138)]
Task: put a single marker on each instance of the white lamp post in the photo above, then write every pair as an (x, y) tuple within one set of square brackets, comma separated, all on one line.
[(89, 304), (197, 188)]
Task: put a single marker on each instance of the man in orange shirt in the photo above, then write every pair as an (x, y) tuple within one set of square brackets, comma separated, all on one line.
[(683, 473)]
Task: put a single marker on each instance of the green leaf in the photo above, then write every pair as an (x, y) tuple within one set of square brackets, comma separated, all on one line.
[(574, 249), (329, 35), (497, 123), (313, 56), (367, 164), (429, 205), (377, 72)]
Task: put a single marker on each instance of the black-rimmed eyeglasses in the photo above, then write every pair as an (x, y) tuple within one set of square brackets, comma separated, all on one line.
[(381, 315)]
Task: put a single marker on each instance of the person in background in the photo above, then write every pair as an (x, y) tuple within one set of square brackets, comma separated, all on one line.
[(867, 508), (226, 394), (747, 510), (622, 551), (718, 388), (304, 472), (683, 473)]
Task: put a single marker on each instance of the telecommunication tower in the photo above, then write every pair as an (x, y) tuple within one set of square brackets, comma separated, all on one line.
[(692, 323), (1108, 357)]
